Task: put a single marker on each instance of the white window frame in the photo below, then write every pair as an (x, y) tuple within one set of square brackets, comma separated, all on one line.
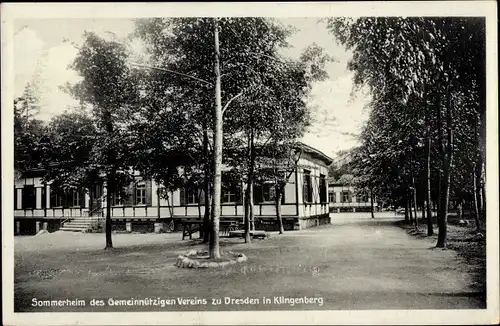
[(349, 197), (140, 193), (58, 200), (227, 194), (117, 200), (75, 199), (191, 197)]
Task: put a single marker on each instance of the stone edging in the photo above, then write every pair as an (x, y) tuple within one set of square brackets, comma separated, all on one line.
[(183, 261)]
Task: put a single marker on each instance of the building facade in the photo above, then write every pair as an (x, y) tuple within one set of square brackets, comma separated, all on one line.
[(343, 198), (38, 205)]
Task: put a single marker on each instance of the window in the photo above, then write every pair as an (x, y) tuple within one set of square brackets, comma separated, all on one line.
[(228, 196), (363, 197), (306, 187), (15, 198), (29, 197), (268, 192), (140, 194), (231, 194), (192, 196), (331, 197), (76, 199), (57, 198), (322, 188), (44, 197), (346, 196), (60, 198), (116, 200)]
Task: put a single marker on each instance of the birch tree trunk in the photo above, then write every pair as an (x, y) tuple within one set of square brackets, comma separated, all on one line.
[(447, 159), (279, 194), (246, 216), (109, 241), (430, 227), (214, 248), (207, 190), (371, 203), (410, 208), (477, 213), (407, 220), (251, 173), (415, 203), (251, 207), (111, 186)]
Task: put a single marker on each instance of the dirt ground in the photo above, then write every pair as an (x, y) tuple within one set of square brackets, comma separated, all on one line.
[(355, 263), (466, 241)]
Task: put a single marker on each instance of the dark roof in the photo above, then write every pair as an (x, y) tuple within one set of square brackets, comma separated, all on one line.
[(316, 153)]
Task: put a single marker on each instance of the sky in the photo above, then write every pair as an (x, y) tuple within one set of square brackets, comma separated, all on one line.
[(42, 57)]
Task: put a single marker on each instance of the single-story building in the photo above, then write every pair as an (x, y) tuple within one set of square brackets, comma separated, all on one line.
[(345, 198), (37, 205)]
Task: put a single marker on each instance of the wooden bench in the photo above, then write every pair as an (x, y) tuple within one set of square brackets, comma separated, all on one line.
[(254, 234), (227, 226), (188, 229)]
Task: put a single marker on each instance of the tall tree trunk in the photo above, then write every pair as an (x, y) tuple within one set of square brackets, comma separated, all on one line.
[(447, 160), (407, 220), (440, 171), (206, 188), (477, 213), (249, 190), (460, 209), (483, 196), (214, 248), (477, 174), (251, 173), (202, 231), (248, 239), (413, 194), (481, 190), (279, 194), (430, 227), (110, 187), (415, 201), (410, 208), (371, 203), (251, 207), (110, 177), (247, 216)]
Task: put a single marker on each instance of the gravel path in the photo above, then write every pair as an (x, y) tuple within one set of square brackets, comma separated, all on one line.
[(355, 263)]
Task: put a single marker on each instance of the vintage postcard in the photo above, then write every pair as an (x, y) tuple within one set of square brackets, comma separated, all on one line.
[(250, 163)]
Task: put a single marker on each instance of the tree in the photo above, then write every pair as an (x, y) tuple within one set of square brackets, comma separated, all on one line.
[(28, 130), (108, 88), (185, 50), (70, 145), (423, 66)]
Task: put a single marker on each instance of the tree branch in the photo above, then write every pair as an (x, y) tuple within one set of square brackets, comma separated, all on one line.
[(268, 56), (173, 72), (232, 99)]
